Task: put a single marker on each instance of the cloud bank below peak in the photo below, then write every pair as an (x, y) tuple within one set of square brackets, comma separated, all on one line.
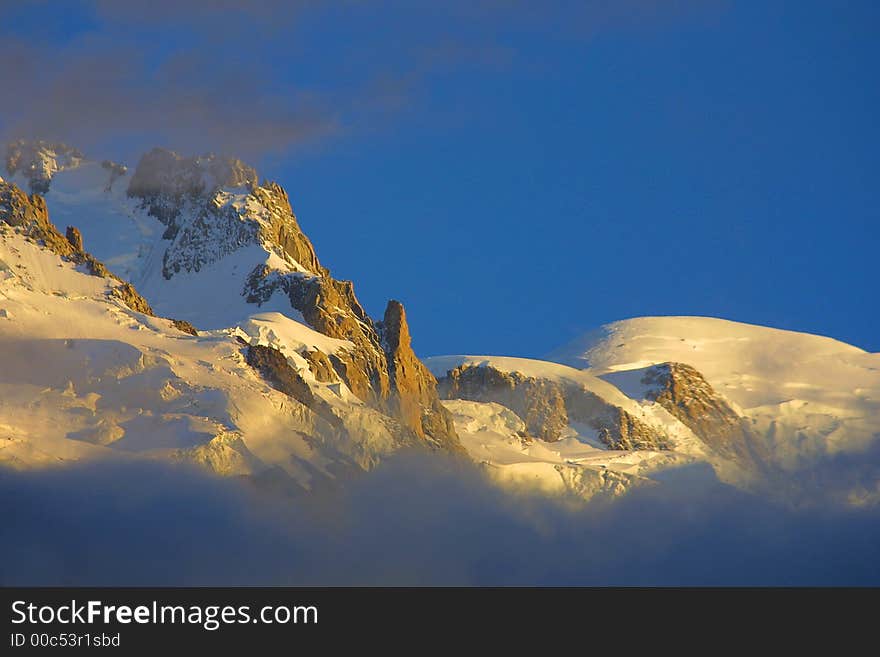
[(418, 520)]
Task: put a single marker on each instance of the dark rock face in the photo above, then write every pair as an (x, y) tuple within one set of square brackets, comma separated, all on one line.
[(131, 298), (331, 307), (214, 233), (620, 430), (273, 366), (547, 407), (74, 237), (686, 394), (320, 366), (184, 326)]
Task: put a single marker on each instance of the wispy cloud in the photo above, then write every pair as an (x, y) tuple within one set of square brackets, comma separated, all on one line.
[(263, 76), (102, 92)]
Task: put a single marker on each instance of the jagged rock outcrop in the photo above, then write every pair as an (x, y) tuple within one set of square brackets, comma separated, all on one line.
[(685, 393), (414, 399), (38, 161), (18, 209), (547, 407), (184, 326), (331, 307), (212, 206), (620, 430), (131, 298)]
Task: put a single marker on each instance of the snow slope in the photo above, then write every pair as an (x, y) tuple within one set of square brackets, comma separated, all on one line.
[(810, 394), (84, 377)]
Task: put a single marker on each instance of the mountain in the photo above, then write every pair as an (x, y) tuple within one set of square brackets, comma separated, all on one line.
[(92, 369), (183, 314)]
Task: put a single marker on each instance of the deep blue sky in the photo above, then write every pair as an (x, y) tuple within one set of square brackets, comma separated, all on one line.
[(514, 174)]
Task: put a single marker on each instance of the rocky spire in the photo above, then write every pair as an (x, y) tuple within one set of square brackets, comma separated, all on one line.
[(75, 238), (414, 389)]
